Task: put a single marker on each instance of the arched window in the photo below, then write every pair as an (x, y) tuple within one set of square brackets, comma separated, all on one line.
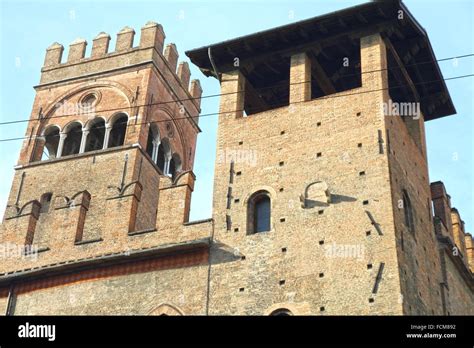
[(259, 212), (51, 143), (408, 212), (175, 165), (164, 156), (153, 142), (160, 161), (95, 138), (149, 145), (45, 202), (282, 312), (166, 310), (117, 133), (72, 143)]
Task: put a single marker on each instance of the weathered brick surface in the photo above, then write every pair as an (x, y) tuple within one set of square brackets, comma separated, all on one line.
[(134, 288), (125, 211), (344, 143), (347, 284)]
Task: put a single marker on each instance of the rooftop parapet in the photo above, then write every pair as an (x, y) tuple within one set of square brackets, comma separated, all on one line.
[(125, 55)]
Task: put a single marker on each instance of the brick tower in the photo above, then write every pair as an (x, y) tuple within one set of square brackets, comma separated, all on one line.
[(321, 186), (322, 200), (106, 165)]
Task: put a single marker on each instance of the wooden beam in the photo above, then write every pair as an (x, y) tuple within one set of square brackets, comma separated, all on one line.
[(253, 97), (401, 69), (361, 18), (322, 79), (405, 46), (323, 42)]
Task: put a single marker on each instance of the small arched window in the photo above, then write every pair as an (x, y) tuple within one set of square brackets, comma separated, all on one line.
[(259, 212), (149, 145), (164, 156), (408, 212), (175, 165), (89, 101), (281, 312), (72, 143), (51, 143), (45, 202), (95, 138), (117, 133), (153, 142)]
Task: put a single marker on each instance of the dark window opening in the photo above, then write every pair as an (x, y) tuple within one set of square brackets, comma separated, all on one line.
[(153, 142), (335, 68), (267, 85), (117, 134), (95, 139), (45, 202), (175, 165), (161, 158), (51, 143), (172, 168), (281, 312), (88, 101), (72, 143), (404, 98), (259, 213), (149, 145)]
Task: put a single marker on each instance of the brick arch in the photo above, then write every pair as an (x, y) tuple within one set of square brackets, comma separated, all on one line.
[(295, 308), (117, 114), (67, 127), (166, 309), (92, 121), (48, 127), (167, 112), (255, 189), (122, 89), (248, 204)]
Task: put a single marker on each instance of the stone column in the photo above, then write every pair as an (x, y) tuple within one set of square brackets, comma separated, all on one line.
[(108, 129), (154, 155), (85, 134), (166, 168), (62, 138)]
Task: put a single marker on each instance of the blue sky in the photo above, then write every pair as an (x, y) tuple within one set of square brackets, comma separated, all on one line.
[(28, 27)]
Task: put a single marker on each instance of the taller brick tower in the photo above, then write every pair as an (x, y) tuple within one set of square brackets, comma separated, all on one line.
[(321, 184)]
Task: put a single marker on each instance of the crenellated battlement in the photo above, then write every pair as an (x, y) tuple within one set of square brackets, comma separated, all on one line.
[(125, 56)]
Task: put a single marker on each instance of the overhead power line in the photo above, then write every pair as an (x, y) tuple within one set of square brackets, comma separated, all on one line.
[(229, 93), (304, 101)]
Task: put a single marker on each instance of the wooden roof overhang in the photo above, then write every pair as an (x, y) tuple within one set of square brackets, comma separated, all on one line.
[(264, 56)]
